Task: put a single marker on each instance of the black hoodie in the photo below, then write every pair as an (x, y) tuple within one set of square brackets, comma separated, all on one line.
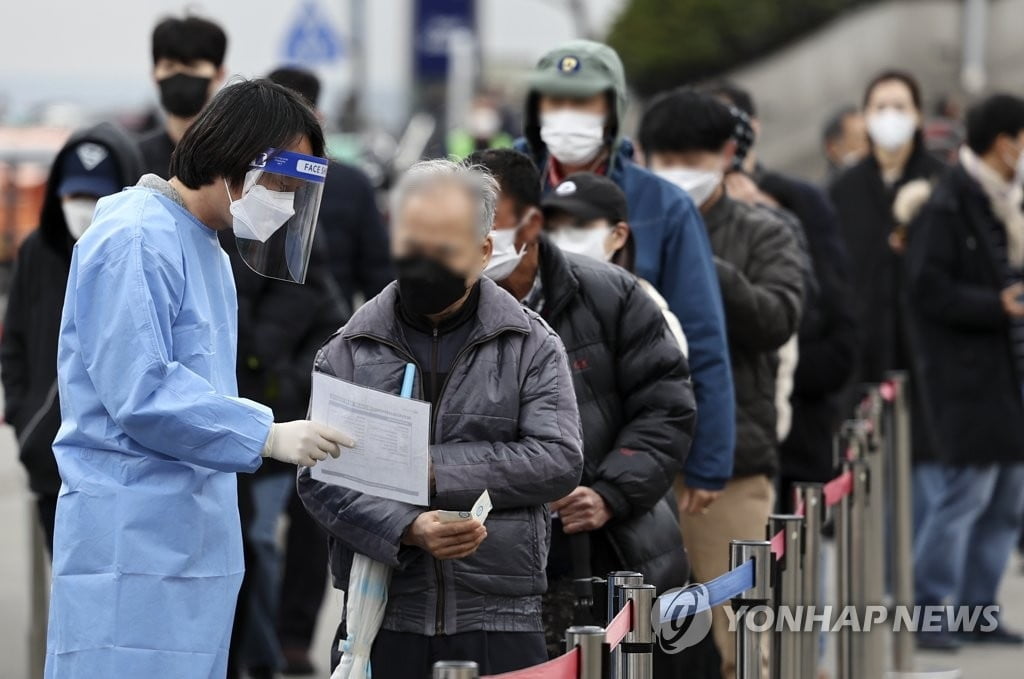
[(28, 350)]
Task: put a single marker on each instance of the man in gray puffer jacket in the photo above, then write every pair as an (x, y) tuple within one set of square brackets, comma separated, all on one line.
[(504, 420)]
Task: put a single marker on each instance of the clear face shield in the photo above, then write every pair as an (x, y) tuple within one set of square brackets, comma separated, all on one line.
[(275, 219)]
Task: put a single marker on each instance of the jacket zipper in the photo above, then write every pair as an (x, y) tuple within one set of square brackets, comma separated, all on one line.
[(455, 362), (439, 622), (438, 566)]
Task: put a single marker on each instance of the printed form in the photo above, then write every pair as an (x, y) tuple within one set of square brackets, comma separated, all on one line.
[(391, 457)]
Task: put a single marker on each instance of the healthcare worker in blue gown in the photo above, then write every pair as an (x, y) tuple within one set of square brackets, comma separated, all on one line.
[(147, 548)]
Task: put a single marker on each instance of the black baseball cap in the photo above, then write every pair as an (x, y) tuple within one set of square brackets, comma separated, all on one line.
[(90, 169), (588, 196)]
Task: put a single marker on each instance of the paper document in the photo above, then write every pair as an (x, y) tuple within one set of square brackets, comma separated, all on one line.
[(479, 512), (391, 456)]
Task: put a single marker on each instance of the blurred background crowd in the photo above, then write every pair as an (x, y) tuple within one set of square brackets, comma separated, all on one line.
[(401, 79)]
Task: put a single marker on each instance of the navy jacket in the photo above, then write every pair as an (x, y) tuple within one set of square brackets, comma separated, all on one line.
[(673, 253)]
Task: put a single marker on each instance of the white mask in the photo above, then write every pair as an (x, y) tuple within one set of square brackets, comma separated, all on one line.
[(890, 129), (572, 137), (850, 158), (699, 184), (504, 257), (78, 214), (483, 123), (260, 212), (589, 242)]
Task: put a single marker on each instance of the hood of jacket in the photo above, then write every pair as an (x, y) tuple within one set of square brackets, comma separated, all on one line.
[(579, 68), (52, 228)]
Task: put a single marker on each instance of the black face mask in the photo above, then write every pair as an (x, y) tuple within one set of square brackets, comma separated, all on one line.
[(183, 95), (426, 286)]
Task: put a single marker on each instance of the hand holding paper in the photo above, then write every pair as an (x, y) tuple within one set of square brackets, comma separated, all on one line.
[(448, 534), (479, 512), (445, 540)]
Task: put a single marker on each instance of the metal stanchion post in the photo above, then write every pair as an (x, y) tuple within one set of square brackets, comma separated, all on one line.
[(638, 645), (897, 432), (874, 453), (616, 580), (590, 640), (456, 669), (789, 596), (843, 558), (858, 559), (809, 497), (749, 656)]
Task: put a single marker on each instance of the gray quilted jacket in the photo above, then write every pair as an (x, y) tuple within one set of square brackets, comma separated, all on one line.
[(506, 422)]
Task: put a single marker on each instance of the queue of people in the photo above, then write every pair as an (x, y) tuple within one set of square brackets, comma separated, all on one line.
[(635, 350)]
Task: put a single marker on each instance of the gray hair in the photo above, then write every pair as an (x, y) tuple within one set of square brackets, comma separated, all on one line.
[(476, 180)]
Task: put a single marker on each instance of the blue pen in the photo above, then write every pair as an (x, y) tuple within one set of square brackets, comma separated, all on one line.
[(410, 375)]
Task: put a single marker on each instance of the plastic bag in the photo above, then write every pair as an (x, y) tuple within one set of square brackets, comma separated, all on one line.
[(365, 601)]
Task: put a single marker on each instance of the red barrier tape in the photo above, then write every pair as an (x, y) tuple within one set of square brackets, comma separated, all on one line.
[(779, 544), (563, 667), (620, 626), (838, 488), (567, 666)]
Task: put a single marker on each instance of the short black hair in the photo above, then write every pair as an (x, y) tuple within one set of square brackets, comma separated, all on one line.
[(298, 79), (686, 120), (242, 121), (189, 40), (993, 116), (899, 76), (516, 174), (837, 121), (734, 94)]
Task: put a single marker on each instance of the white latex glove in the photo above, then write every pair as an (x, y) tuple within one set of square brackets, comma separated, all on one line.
[(304, 443)]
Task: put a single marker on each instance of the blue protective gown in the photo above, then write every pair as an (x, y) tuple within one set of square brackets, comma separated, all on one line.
[(147, 555)]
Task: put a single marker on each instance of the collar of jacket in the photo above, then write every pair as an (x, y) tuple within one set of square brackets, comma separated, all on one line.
[(920, 164), (497, 312), (556, 276), (464, 315), (963, 187), (960, 193), (720, 213), (620, 155)]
